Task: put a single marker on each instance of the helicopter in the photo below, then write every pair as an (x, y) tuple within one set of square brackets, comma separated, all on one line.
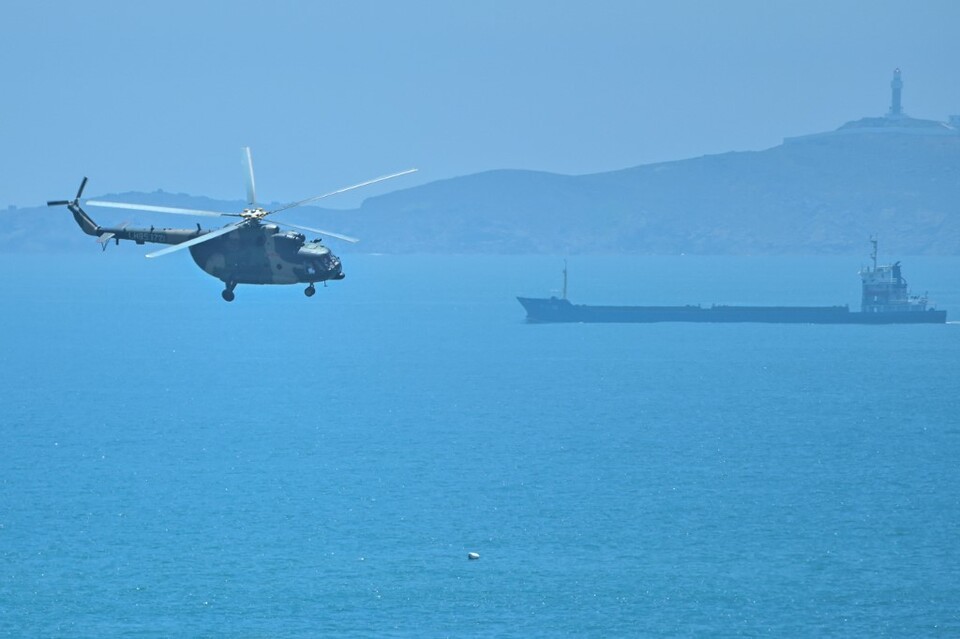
[(250, 250)]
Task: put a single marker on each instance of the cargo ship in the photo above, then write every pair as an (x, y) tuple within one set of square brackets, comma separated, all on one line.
[(885, 300)]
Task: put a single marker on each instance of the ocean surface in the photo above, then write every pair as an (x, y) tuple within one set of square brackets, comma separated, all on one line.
[(172, 465)]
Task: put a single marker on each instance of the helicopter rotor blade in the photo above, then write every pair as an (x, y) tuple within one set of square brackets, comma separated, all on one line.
[(82, 186), (343, 190), (247, 160), (160, 209), (345, 238), (206, 237)]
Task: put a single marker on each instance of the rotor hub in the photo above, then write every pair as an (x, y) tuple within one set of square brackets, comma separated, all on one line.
[(254, 214)]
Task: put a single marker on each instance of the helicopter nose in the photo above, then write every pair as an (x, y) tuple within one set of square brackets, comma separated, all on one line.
[(335, 268)]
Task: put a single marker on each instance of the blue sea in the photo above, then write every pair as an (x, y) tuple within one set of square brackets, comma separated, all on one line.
[(172, 465)]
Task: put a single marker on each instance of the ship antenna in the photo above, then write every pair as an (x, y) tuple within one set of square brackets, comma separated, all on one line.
[(564, 279), (873, 254)]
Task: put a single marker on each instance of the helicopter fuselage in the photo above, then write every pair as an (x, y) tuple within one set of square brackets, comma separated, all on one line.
[(263, 254)]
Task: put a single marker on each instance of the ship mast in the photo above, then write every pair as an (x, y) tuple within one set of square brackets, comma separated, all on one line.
[(564, 279), (873, 254)]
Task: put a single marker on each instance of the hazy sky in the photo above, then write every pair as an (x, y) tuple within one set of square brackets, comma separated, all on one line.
[(147, 95)]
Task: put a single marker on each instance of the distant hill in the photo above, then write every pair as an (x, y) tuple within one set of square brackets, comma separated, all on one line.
[(813, 196), (823, 194)]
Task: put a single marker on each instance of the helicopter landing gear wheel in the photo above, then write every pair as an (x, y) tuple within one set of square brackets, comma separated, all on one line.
[(309, 291), (227, 293)]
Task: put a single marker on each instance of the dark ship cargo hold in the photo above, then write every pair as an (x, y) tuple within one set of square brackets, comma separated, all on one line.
[(885, 300)]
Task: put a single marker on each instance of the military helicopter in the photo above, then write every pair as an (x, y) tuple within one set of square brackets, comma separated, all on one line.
[(248, 251)]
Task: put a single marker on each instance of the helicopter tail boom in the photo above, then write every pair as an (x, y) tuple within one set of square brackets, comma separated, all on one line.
[(138, 235), (85, 222)]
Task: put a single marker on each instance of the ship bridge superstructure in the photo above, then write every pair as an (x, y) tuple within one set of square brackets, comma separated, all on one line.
[(885, 289)]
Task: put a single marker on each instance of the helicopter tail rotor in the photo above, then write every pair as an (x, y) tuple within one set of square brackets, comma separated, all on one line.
[(75, 200)]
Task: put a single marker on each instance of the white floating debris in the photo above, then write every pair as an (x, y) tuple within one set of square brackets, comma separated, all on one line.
[(473, 555)]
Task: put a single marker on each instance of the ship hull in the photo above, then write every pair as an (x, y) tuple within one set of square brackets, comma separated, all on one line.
[(554, 310)]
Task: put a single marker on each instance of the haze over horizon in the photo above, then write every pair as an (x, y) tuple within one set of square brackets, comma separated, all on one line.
[(153, 96)]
